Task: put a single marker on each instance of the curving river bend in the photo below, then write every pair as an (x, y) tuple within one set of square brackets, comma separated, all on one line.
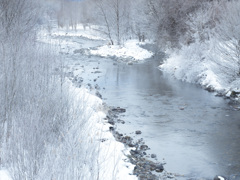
[(196, 133)]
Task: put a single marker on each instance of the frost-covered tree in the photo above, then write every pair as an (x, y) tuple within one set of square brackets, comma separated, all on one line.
[(169, 19), (140, 24), (34, 105), (114, 15), (228, 36)]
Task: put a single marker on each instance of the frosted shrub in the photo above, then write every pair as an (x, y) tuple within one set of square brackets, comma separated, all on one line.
[(43, 129)]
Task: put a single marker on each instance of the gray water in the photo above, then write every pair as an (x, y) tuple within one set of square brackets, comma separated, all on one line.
[(190, 129)]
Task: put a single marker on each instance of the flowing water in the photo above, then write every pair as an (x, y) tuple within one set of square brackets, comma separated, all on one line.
[(196, 133)]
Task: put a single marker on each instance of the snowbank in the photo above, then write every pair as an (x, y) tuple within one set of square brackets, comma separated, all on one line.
[(111, 160), (131, 50), (4, 175), (200, 63)]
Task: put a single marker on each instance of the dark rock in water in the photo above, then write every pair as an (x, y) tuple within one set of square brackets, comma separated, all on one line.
[(98, 95), (181, 108), (234, 94), (89, 85), (126, 139), (138, 132), (97, 87), (210, 89), (147, 177), (134, 152), (159, 168), (110, 121), (144, 147), (121, 121), (111, 128), (131, 144), (153, 155), (220, 178), (119, 110)]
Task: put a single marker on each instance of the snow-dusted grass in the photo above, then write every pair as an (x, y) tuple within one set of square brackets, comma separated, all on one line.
[(110, 160), (201, 63), (84, 149), (88, 149), (130, 50)]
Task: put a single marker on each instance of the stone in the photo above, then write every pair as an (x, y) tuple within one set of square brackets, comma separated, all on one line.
[(234, 94), (98, 95), (111, 128), (121, 121), (134, 152), (220, 178), (153, 155), (181, 108), (119, 110), (144, 147), (138, 132), (159, 168), (110, 121)]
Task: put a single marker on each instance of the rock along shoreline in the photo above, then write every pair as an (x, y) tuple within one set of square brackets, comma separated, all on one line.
[(145, 168)]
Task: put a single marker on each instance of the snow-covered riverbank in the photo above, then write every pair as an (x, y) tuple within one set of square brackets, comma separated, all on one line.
[(200, 64), (130, 51), (110, 159), (106, 155)]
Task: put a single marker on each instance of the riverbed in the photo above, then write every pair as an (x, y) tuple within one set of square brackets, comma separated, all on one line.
[(190, 129)]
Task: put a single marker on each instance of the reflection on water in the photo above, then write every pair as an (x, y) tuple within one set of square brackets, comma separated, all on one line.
[(196, 133)]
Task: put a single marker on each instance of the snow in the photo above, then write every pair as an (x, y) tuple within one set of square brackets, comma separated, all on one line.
[(130, 50), (221, 178), (79, 32), (112, 162), (200, 63), (4, 175)]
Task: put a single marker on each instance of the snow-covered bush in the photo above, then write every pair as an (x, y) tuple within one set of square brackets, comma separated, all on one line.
[(44, 122), (228, 36), (211, 58)]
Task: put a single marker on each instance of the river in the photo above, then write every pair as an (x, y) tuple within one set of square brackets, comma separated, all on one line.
[(194, 132)]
